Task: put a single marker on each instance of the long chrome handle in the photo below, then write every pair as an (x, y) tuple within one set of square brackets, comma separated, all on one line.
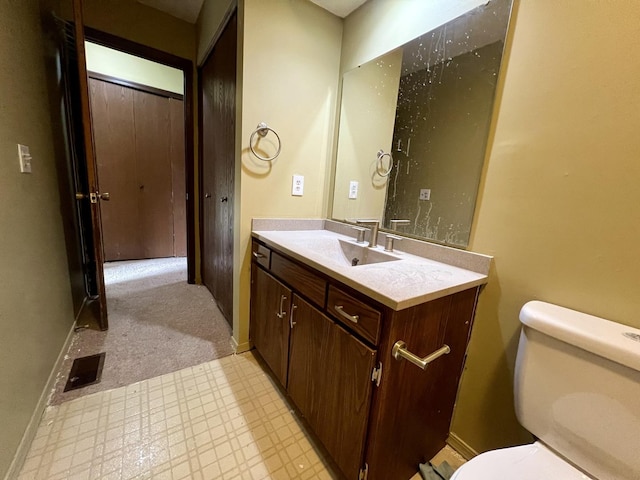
[(282, 313), (293, 309), (258, 255), (351, 318), (399, 351)]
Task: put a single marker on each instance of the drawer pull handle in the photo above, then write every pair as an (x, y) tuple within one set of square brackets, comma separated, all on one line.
[(281, 313), (343, 314), (399, 351), (258, 255), (293, 309)]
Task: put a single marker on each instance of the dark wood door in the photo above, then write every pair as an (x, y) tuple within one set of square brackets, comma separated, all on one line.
[(92, 196), (330, 382), (270, 310), (218, 127), (114, 125), (139, 142)]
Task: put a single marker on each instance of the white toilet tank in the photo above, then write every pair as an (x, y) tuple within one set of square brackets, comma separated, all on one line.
[(577, 388)]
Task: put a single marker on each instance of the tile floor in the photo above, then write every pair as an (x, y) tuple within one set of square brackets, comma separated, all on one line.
[(220, 420)]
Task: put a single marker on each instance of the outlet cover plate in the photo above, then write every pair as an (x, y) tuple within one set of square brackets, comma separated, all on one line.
[(425, 194), (297, 185)]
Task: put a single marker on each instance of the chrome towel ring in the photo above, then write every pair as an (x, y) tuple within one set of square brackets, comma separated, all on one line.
[(263, 129), (380, 167)]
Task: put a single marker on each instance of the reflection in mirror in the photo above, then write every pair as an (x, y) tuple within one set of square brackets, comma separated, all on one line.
[(428, 105)]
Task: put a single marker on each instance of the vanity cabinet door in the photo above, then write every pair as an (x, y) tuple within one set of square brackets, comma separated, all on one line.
[(270, 310), (330, 383)]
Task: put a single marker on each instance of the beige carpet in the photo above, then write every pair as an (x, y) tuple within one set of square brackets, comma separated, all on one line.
[(157, 324)]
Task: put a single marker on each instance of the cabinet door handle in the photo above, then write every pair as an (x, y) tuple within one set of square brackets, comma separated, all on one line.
[(291, 322), (281, 313), (258, 255), (343, 314), (399, 351)]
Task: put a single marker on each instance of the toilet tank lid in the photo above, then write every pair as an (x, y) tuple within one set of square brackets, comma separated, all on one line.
[(611, 340)]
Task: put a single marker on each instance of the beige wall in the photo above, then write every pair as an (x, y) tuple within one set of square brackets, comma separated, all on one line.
[(134, 69), (367, 115), (35, 299), (559, 209), (290, 69)]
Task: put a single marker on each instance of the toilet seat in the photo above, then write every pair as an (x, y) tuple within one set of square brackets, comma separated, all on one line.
[(526, 462)]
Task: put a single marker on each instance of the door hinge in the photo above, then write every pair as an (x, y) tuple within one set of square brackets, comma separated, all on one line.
[(376, 374), (364, 472)]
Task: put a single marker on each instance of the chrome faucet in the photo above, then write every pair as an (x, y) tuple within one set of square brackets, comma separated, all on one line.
[(373, 236), (395, 223)]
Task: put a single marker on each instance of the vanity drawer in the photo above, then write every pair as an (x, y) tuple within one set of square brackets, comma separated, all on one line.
[(345, 308), (261, 254), (301, 279)]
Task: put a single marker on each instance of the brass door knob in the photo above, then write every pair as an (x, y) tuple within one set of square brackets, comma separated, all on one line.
[(104, 196)]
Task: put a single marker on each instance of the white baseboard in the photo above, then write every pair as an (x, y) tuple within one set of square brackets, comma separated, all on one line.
[(240, 347), (461, 446), (34, 422)]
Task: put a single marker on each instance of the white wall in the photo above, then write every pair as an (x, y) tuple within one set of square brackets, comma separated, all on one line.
[(134, 69)]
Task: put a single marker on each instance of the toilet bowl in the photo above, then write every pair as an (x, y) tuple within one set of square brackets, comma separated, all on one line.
[(576, 386), (526, 462)]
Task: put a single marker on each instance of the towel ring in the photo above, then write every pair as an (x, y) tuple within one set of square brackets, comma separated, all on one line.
[(263, 129), (381, 154)]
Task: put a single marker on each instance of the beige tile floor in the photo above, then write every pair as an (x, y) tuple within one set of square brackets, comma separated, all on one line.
[(220, 420)]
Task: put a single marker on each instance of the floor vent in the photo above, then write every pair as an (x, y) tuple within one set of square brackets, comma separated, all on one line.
[(85, 371)]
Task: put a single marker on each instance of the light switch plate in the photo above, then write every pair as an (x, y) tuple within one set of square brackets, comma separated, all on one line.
[(297, 185), (25, 159), (353, 189), (425, 193)]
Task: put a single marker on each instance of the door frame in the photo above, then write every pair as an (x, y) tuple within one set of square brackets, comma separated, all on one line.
[(149, 53)]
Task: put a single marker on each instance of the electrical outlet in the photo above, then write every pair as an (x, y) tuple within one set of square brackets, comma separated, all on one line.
[(353, 189), (297, 185), (425, 193), (25, 159)]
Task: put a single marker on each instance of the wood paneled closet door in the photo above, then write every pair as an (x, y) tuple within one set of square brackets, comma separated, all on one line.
[(218, 127), (140, 153)]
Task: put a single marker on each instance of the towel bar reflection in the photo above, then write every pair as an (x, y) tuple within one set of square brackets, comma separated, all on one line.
[(263, 129), (399, 351)]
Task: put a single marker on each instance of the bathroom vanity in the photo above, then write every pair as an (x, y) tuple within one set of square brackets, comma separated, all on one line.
[(327, 330)]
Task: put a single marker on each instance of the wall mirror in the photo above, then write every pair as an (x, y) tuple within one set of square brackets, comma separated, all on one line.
[(414, 126)]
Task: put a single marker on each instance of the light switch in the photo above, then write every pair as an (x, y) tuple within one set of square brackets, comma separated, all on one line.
[(25, 159), (353, 189), (297, 185)]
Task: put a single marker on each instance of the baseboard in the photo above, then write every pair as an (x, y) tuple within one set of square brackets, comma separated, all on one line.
[(461, 446), (34, 422), (240, 347)]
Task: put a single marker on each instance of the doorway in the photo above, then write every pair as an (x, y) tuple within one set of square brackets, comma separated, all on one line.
[(139, 143)]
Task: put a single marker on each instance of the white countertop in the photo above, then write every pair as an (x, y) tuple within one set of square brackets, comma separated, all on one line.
[(408, 281)]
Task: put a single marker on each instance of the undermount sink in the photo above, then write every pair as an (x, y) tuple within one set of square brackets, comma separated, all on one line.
[(360, 255)]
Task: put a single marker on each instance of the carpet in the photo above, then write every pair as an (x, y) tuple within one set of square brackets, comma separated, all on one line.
[(158, 324)]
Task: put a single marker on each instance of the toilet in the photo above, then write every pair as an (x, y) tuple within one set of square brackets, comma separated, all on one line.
[(577, 390)]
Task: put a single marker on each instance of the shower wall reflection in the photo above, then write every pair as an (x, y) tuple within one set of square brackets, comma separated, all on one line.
[(439, 141)]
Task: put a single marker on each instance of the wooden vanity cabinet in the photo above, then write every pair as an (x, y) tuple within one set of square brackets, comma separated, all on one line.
[(374, 428)]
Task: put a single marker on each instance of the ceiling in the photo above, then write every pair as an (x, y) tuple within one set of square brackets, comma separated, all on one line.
[(188, 10)]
